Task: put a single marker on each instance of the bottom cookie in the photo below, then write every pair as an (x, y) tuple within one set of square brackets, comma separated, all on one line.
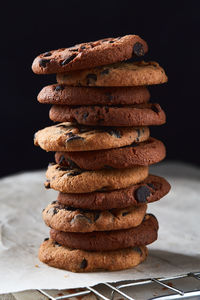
[(75, 260)]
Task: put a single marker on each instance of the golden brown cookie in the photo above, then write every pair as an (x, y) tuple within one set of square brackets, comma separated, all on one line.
[(81, 181), (69, 95), (136, 115), (69, 137), (144, 234), (143, 154), (65, 218), (74, 260), (153, 188), (91, 54), (121, 74)]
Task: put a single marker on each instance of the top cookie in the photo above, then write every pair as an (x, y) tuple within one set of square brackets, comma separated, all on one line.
[(138, 73), (91, 54)]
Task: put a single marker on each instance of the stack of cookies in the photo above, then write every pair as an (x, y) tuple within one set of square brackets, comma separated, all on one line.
[(103, 151)]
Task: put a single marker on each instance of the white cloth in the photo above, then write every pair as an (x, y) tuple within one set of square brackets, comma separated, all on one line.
[(23, 196)]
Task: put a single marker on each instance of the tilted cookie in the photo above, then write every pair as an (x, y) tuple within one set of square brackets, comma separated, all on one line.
[(136, 115), (91, 54), (65, 218), (121, 74), (153, 188), (69, 95), (144, 234), (69, 137), (81, 181), (143, 154), (74, 260)]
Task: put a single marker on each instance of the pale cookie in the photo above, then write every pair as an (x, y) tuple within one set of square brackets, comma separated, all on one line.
[(91, 54), (68, 180), (121, 74), (65, 218), (55, 255), (68, 137)]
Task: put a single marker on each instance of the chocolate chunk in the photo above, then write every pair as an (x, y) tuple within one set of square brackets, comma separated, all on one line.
[(82, 218), (138, 49), (62, 168), (72, 164), (91, 78), (114, 132), (104, 72), (47, 184), (43, 62), (85, 115), (68, 59), (138, 249), (57, 244), (155, 108), (96, 216), (125, 213), (55, 210), (46, 239), (59, 88), (142, 193), (109, 97), (61, 160), (70, 208), (151, 185), (73, 138), (47, 54), (75, 173), (83, 264), (53, 202)]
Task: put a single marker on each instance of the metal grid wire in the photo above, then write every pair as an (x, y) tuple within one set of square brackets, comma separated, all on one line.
[(177, 293)]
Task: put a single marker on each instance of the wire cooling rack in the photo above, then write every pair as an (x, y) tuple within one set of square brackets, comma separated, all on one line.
[(119, 289)]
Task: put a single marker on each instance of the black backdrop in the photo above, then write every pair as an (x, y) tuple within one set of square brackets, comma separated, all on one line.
[(171, 29)]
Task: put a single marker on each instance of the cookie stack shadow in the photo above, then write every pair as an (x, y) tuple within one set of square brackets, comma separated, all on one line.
[(103, 150)]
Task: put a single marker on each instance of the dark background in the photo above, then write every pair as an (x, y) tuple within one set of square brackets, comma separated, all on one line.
[(171, 30)]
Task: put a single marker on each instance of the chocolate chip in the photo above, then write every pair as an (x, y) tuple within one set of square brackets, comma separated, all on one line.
[(61, 160), (142, 193), (82, 47), (82, 218), (55, 210), (68, 59), (73, 138), (62, 168), (109, 97), (114, 132), (46, 239), (53, 202), (47, 184), (138, 137), (75, 173), (72, 164), (155, 108), (83, 264), (104, 72), (96, 216), (151, 185), (138, 49), (59, 88), (138, 249), (47, 54), (125, 213), (43, 62), (57, 244), (91, 78), (85, 115), (70, 208), (111, 42)]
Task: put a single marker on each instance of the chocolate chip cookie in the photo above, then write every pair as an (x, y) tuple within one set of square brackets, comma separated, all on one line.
[(135, 115), (69, 137), (91, 54), (144, 154), (121, 74), (68, 95), (81, 181), (144, 234), (153, 188), (74, 260), (70, 219)]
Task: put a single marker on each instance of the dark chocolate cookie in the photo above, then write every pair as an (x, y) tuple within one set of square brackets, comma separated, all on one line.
[(144, 154), (144, 234), (153, 188), (91, 54), (136, 115)]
